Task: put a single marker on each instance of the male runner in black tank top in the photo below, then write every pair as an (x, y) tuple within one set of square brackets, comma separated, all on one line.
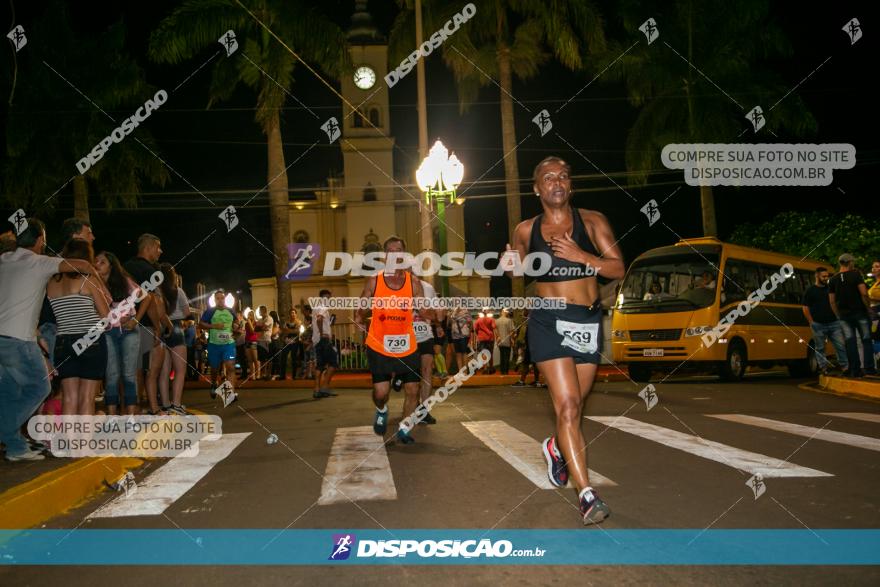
[(565, 343)]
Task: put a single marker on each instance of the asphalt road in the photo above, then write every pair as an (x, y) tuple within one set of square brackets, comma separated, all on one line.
[(671, 467)]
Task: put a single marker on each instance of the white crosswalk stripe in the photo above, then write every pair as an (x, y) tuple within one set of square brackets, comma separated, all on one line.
[(855, 440), (521, 451), (173, 479), (358, 468), (863, 416), (743, 460)]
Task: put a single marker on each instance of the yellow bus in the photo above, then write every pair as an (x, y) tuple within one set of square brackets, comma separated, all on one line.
[(669, 304)]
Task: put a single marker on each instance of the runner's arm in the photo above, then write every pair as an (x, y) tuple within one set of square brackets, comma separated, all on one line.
[(609, 262), (520, 243)]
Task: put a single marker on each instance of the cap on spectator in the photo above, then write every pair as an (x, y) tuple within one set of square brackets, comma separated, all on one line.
[(845, 259)]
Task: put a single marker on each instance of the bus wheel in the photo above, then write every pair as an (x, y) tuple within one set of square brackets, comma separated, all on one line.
[(734, 368), (639, 373), (808, 367)]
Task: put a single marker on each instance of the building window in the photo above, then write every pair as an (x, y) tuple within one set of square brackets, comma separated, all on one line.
[(374, 117), (369, 193)]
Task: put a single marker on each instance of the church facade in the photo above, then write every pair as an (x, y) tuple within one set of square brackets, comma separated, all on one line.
[(358, 211)]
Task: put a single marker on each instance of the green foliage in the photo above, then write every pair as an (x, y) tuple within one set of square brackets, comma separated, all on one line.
[(818, 235), (194, 27), (531, 31), (51, 125), (680, 104)]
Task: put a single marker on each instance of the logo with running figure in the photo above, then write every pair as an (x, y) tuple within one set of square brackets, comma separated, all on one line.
[(301, 260), (343, 544)]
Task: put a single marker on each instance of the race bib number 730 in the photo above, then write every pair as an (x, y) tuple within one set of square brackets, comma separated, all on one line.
[(396, 343), (580, 337)]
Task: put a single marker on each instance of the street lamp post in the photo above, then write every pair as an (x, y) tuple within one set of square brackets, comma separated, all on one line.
[(439, 176)]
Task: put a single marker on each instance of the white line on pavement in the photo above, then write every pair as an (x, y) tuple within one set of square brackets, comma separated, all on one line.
[(743, 460), (864, 416), (358, 468), (168, 483), (855, 440), (522, 452)]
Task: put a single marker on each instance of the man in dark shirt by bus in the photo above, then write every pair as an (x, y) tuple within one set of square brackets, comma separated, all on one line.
[(823, 322), (849, 300)]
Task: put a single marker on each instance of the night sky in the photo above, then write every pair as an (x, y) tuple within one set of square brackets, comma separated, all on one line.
[(223, 148)]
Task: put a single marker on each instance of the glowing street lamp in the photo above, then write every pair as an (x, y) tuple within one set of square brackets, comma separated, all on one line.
[(439, 176)]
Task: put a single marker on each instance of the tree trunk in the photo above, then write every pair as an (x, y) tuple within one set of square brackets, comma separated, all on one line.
[(508, 144), (80, 198), (279, 218), (707, 203)]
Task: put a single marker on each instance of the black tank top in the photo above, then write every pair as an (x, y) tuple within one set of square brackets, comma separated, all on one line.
[(569, 270)]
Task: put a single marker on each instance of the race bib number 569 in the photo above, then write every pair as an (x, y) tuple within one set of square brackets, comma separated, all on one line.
[(580, 337), (396, 343)]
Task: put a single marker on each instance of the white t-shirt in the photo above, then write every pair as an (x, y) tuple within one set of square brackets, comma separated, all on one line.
[(181, 308), (23, 278), (316, 334), (268, 324), (419, 323)]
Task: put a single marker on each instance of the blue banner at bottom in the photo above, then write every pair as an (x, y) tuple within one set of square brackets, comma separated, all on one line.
[(439, 547)]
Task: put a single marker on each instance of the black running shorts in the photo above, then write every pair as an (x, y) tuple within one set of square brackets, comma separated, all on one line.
[(574, 332), (382, 367)]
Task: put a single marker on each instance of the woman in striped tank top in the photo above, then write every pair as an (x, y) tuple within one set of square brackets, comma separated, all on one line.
[(78, 301)]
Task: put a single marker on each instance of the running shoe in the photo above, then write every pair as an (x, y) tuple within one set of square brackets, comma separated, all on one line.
[(29, 455), (557, 471), (397, 384), (320, 393), (380, 422), (593, 508), (178, 410), (428, 419), (404, 437), (518, 384)]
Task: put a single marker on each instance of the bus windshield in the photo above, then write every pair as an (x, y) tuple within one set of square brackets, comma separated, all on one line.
[(671, 283)]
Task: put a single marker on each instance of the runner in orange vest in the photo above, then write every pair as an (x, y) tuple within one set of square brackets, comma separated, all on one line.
[(391, 341)]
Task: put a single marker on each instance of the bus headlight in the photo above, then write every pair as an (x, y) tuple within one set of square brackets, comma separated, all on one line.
[(697, 330)]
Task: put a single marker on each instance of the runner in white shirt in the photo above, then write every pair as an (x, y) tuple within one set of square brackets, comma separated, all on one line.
[(425, 340)]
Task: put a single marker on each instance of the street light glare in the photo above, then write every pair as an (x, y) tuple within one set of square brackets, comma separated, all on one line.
[(453, 172), (425, 175), (439, 170)]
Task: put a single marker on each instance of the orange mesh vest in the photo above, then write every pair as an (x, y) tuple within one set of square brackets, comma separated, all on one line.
[(391, 328)]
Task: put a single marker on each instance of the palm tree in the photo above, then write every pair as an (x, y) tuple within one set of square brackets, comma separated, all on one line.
[(50, 125), (682, 105), (506, 39), (194, 28)]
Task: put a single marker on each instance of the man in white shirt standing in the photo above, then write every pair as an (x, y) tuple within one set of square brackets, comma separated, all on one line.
[(325, 353), (24, 381)]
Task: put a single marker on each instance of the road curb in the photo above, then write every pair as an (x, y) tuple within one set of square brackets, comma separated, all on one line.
[(851, 388), (52, 494), (56, 492)]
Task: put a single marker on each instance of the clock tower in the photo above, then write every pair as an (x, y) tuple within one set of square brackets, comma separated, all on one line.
[(367, 144)]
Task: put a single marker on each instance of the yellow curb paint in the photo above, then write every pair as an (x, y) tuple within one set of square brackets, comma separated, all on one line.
[(56, 492), (843, 388), (859, 387)]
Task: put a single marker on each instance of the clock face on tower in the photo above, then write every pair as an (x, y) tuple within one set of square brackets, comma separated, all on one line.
[(364, 77)]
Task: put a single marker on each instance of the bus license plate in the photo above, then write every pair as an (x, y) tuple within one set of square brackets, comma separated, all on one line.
[(652, 352)]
